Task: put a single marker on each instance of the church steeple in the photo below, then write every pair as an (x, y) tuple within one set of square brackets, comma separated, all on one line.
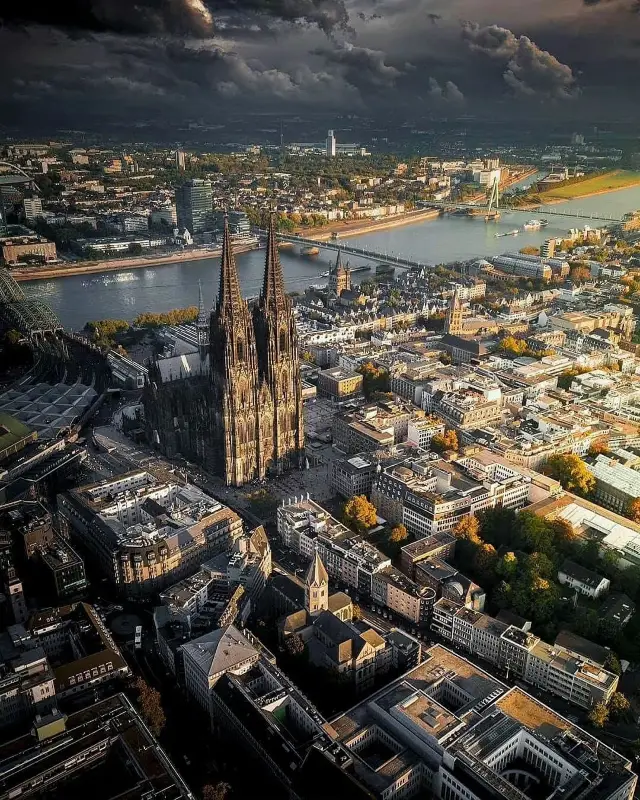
[(229, 295), (339, 277), (316, 587), (274, 296)]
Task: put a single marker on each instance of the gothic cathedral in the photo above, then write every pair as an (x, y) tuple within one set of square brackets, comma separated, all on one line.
[(234, 404)]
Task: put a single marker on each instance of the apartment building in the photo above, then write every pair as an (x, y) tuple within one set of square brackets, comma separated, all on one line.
[(448, 729), (393, 589), (145, 533), (438, 545), (553, 668), (306, 527)]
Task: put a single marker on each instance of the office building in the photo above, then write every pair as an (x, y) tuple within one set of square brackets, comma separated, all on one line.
[(548, 248), (331, 145), (209, 657), (616, 485), (339, 384), (435, 495), (238, 221), (235, 403), (355, 475), (447, 729), (180, 160), (194, 206), (104, 750), (421, 430), (144, 533)]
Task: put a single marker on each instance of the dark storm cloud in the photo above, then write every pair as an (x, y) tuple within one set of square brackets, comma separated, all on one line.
[(361, 65), (448, 93), (529, 70), (179, 17), (190, 17)]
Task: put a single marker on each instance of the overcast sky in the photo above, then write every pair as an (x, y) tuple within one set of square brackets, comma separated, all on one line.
[(83, 63)]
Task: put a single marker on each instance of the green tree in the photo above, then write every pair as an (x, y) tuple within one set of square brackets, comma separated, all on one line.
[(572, 473), (507, 566), (599, 715), (135, 249), (612, 663), (484, 563), (359, 514), (539, 565), (501, 595)]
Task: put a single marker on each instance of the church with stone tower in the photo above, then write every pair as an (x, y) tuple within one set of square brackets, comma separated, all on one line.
[(234, 402)]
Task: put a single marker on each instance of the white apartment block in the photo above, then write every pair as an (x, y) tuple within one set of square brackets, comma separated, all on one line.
[(550, 667)]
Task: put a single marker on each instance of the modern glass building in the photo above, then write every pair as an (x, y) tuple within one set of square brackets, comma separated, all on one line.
[(194, 205)]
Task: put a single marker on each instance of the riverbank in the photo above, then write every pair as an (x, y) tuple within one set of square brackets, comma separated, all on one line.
[(359, 227), (116, 264)]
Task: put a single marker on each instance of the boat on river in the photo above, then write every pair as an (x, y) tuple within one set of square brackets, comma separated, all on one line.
[(514, 232)]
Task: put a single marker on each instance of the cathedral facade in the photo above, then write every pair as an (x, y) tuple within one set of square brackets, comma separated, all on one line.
[(234, 405)]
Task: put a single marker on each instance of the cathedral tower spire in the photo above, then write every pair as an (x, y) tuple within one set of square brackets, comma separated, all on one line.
[(202, 325), (229, 294), (273, 292), (233, 368)]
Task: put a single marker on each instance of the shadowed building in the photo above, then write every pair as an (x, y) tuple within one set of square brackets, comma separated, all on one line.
[(234, 404)]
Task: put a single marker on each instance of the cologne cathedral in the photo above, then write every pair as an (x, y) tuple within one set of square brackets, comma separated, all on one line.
[(234, 403)]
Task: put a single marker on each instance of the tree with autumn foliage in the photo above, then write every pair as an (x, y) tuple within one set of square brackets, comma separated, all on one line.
[(398, 534), (468, 528), (618, 705), (374, 379), (599, 447), (150, 704), (633, 510), (446, 441), (219, 791), (359, 514), (599, 715), (572, 472)]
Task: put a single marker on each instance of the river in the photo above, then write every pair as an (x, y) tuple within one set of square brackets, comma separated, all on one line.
[(122, 295)]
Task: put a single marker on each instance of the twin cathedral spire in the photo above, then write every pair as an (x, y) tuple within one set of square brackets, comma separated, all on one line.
[(255, 373)]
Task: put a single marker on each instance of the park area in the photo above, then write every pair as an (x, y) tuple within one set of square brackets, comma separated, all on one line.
[(605, 182)]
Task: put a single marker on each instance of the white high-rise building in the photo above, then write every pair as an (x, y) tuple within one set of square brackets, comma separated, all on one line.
[(331, 144), (32, 207)]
